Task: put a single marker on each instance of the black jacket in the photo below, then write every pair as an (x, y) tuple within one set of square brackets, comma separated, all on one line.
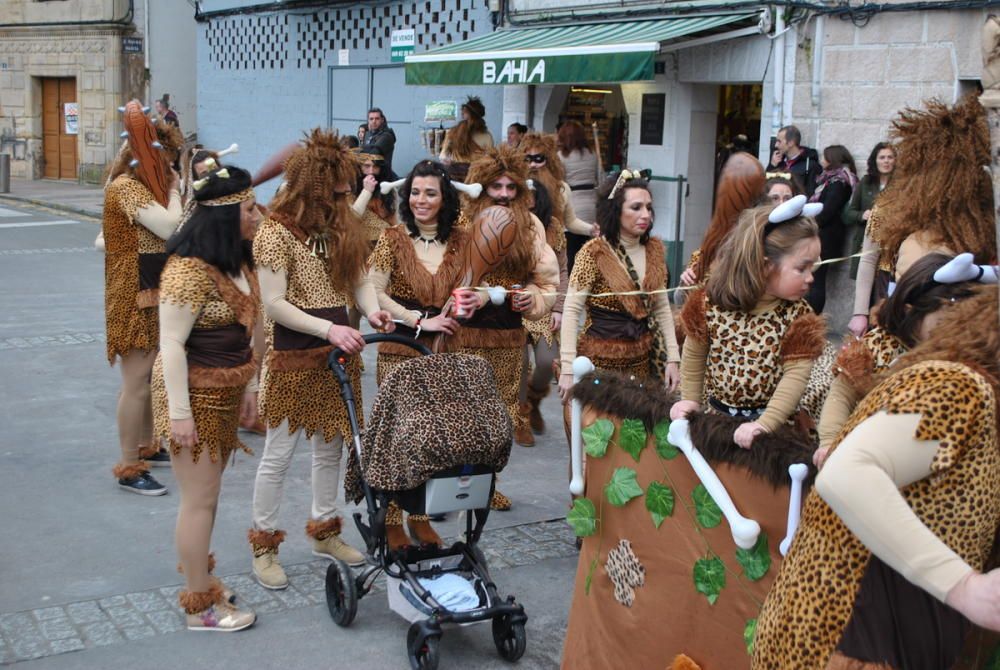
[(805, 168), (385, 141)]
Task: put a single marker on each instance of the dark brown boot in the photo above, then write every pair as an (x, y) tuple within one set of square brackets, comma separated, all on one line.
[(535, 412), (522, 432)]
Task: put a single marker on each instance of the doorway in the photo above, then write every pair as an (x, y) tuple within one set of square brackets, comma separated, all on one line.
[(60, 126), (600, 109), (738, 124)]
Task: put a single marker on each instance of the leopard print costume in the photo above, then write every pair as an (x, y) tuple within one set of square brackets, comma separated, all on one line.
[(297, 385), (131, 318), (375, 220), (812, 598), (397, 254), (541, 329), (215, 393), (746, 352), (598, 270)]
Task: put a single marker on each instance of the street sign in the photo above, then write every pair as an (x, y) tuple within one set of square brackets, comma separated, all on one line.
[(132, 45), (401, 42)]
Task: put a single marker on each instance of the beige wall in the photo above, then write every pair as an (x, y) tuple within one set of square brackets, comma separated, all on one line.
[(32, 11)]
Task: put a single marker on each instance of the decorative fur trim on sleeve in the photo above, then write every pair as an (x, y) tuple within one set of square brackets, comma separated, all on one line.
[(804, 338), (857, 365), (693, 316)]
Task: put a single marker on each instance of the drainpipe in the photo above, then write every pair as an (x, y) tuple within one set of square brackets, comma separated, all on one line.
[(779, 71), (817, 60)]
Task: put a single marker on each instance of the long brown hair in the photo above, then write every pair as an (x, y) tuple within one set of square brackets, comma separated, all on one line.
[(552, 174), (747, 257), (741, 185), (969, 335), (506, 161), (939, 185), (572, 138), (461, 139), (308, 204)]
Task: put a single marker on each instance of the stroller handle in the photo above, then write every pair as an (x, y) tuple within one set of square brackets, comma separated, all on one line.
[(338, 359)]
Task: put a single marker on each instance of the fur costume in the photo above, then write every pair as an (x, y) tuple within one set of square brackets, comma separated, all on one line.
[(940, 185)]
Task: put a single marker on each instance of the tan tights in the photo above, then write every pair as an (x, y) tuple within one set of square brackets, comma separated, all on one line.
[(135, 406), (199, 484), (540, 378)]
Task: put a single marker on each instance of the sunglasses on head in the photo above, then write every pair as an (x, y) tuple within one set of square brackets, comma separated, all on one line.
[(535, 158)]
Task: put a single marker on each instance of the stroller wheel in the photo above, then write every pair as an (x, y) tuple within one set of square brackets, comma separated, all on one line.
[(341, 593), (422, 649), (509, 638)]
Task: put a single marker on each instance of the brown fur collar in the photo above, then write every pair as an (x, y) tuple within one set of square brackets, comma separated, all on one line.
[(804, 339), (320, 530), (244, 306), (430, 290), (693, 316), (769, 459), (618, 278), (857, 366)]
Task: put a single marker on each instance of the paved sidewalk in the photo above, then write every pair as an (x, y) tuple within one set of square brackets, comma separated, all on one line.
[(66, 196)]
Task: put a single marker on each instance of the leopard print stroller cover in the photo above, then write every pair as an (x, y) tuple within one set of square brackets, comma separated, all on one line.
[(431, 413)]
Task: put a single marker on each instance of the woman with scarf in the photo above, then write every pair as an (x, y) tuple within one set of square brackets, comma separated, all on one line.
[(833, 189)]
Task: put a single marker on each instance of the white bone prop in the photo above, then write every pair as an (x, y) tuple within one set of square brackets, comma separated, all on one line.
[(796, 207), (498, 294), (962, 268), (471, 190), (387, 186), (581, 366), (231, 149), (744, 531), (798, 472)]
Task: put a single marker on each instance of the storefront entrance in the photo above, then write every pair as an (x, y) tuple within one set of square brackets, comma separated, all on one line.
[(600, 109)]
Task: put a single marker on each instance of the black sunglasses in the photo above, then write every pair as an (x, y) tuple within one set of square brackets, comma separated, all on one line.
[(535, 158)]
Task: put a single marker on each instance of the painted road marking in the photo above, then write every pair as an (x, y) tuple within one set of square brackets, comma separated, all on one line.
[(36, 224)]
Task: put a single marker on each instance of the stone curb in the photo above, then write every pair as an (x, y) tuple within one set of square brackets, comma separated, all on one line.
[(71, 209)]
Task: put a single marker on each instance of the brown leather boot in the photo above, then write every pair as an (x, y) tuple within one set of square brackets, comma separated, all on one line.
[(535, 413), (422, 531), (522, 432)]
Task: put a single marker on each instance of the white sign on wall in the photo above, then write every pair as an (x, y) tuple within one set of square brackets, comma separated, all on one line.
[(71, 112), (344, 57), (401, 42)]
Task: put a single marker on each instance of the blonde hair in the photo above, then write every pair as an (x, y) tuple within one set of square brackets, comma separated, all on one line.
[(738, 278)]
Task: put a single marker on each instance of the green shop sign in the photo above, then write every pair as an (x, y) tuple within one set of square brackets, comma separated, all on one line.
[(562, 69)]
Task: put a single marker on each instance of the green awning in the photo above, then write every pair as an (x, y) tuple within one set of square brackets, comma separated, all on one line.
[(596, 52)]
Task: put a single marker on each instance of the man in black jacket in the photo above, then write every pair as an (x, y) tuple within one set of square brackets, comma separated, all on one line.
[(789, 156), (380, 136)]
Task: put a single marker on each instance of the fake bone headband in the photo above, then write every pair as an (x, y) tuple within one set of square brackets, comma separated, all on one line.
[(472, 190), (623, 177), (790, 210), (962, 268)]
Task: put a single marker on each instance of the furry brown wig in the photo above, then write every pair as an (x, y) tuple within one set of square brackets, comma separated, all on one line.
[(740, 186), (552, 174), (313, 202), (940, 185), (506, 161), (968, 335)]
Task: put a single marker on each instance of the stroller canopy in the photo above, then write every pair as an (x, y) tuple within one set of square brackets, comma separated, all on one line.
[(431, 413)]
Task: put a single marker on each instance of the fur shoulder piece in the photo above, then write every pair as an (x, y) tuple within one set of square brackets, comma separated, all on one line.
[(804, 339), (616, 276), (657, 275), (856, 365), (693, 316)]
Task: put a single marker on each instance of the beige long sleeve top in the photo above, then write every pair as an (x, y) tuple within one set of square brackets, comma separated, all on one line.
[(571, 221), (861, 481), (544, 276), (576, 301), (866, 276), (274, 285), (430, 253), (159, 220), (361, 202), (176, 323)]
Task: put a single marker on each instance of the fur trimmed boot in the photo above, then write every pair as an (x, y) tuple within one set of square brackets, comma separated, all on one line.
[(395, 537), (227, 593), (266, 568), (522, 432), (135, 478), (422, 531), (327, 543), (208, 610), (535, 418)]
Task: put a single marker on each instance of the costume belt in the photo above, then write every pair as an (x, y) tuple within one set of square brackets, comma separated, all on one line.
[(582, 187), (609, 324), (222, 347), (749, 413), (286, 338)]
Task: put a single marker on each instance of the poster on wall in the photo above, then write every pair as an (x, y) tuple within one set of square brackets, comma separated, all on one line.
[(441, 110), (71, 112)]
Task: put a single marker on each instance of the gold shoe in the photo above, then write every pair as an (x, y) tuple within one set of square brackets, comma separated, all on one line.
[(221, 618)]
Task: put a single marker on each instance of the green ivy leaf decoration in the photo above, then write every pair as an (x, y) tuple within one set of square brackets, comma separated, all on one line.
[(663, 447), (706, 511), (622, 487), (710, 577), (749, 633), (757, 561), (582, 518), (632, 437), (659, 502), (596, 437)]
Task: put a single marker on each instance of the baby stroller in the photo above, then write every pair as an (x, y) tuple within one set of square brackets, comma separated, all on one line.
[(413, 572)]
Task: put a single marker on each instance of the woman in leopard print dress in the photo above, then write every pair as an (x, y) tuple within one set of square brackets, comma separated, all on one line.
[(886, 569), (204, 378), (633, 334), (413, 270), (142, 208)]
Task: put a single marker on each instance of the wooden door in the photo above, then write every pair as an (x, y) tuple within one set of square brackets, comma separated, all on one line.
[(58, 146)]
